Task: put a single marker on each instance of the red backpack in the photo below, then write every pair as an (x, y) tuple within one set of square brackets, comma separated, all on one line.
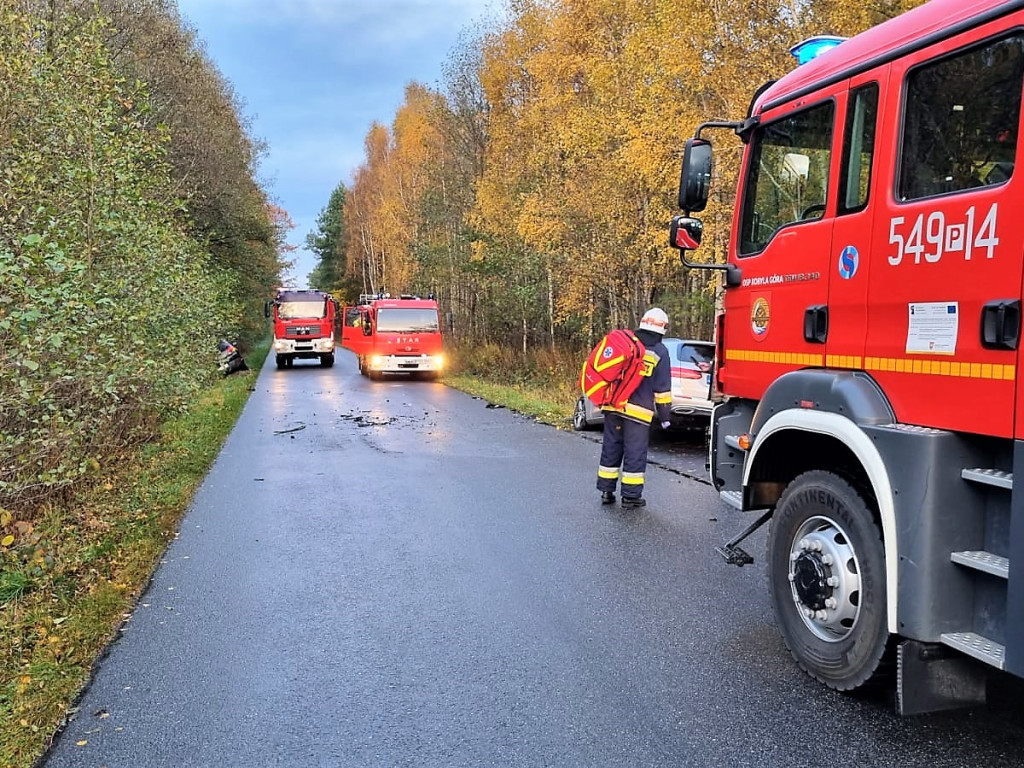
[(613, 369)]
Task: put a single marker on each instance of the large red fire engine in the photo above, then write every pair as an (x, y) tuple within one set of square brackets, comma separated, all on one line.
[(394, 335), (303, 326), (867, 354)]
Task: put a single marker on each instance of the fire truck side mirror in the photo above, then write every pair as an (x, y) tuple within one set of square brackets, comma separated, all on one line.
[(695, 177), (266, 307), (367, 330), (685, 233)]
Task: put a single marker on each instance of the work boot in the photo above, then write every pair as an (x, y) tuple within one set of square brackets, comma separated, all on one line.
[(632, 503), (607, 497)]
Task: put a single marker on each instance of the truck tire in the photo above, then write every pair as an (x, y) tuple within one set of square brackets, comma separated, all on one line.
[(826, 574), (327, 360), (281, 361)]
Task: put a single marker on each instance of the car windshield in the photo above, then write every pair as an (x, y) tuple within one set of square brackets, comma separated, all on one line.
[(697, 355), (290, 310), (407, 321)]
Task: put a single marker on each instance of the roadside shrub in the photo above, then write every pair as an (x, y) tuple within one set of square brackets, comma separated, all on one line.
[(108, 310)]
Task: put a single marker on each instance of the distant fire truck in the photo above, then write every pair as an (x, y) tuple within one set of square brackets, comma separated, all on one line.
[(394, 335), (868, 351), (303, 326)]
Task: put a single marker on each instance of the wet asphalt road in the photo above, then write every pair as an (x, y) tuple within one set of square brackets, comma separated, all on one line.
[(393, 574)]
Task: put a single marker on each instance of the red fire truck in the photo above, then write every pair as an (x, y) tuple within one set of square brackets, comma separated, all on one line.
[(303, 326), (867, 352), (394, 335)]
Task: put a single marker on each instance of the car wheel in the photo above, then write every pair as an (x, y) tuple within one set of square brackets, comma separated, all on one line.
[(826, 573), (579, 416)]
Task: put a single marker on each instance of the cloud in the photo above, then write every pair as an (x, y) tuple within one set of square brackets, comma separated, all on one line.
[(314, 75)]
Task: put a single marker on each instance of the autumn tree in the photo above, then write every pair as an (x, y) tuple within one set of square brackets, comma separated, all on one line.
[(535, 193), (108, 308), (212, 156)]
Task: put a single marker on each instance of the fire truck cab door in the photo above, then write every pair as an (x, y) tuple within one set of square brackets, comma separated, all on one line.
[(352, 336), (782, 241), (948, 235), (857, 185)]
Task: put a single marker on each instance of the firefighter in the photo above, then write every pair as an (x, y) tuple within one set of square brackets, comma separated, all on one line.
[(627, 429)]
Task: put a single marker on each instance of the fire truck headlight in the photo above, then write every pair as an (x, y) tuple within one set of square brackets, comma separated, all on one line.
[(377, 361), (439, 361), (280, 345)]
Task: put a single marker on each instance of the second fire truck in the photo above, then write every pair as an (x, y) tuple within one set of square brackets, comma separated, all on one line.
[(394, 335)]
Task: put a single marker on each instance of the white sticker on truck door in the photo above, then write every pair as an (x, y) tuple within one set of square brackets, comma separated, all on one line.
[(932, 328)]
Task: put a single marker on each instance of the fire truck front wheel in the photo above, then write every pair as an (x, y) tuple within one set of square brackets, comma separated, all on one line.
[(327, 360), (826, 572)]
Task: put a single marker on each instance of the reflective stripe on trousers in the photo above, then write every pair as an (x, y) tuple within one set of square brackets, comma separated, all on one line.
[(624, 445)]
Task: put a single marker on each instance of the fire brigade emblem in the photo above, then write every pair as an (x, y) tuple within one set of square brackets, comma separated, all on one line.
[(849, 260), (760, 316)]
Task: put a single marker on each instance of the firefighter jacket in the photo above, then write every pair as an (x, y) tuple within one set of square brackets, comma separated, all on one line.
[(654, 395)]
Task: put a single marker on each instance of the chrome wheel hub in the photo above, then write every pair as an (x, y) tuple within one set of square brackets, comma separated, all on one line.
[(824, 579)]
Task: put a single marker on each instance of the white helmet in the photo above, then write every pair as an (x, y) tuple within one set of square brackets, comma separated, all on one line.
[(654, 319)]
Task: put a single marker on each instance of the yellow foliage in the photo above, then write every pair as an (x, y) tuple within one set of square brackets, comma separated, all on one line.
[(585, 107)]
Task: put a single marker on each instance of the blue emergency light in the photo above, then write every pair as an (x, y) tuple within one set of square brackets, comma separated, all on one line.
[(813, 47)]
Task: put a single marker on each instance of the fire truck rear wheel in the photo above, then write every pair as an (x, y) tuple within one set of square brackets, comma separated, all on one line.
[(826, 573)]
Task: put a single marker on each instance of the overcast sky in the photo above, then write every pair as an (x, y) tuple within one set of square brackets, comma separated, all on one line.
[(313, 75)]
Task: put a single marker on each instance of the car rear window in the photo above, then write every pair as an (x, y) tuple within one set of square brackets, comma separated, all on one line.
[(699, 355)]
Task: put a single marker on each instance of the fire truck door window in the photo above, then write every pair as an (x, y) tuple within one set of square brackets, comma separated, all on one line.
[(353, 317), (858, 149), (960, 120), (788, 178)]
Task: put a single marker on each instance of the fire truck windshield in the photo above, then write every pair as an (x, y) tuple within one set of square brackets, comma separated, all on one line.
[(292, 310), (407, 321)]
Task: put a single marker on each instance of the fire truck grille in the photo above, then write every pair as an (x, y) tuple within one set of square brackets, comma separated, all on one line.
[(301, 330)]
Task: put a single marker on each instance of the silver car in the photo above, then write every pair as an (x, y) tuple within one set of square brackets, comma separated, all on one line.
[(692, 363)]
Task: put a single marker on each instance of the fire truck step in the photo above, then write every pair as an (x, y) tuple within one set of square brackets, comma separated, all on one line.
[(983, 561), (995, 477), (733, 499), (981, 648)]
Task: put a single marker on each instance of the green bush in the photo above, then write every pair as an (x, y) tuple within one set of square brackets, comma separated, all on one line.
[(108, 311)]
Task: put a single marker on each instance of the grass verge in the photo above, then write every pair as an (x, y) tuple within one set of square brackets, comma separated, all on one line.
[(68, 581), (541, 384), (545, 404)]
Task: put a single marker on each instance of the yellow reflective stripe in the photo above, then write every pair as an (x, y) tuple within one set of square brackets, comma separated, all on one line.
[(608, 473), (600, 366), (914, 365), (652, 356), (638, 411), (610, 362), (596, 387), (663, 397), (632, 478)]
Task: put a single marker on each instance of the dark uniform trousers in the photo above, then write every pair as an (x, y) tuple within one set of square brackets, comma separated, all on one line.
[(624, 446)]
